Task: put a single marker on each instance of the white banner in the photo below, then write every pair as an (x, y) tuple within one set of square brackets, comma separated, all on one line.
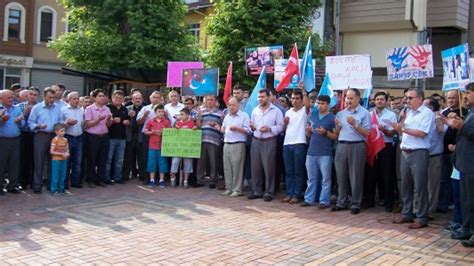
[(349, 71)]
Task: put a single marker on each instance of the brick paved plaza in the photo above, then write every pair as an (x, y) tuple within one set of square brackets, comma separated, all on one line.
[(131, 224)]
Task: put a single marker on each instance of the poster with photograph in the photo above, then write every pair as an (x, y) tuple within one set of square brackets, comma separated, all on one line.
[(256, 58), (455, 67)]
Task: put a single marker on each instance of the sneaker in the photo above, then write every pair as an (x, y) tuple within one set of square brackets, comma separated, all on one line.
[(185, 184), (162, 184), (452, 227), (235, 194), (151, 184), (173, 182), (226, 193)]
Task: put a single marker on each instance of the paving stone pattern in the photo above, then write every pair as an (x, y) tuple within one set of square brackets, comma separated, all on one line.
[(133, 225)]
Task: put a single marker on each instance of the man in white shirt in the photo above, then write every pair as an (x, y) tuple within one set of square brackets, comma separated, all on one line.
[(266, 123), (415, 147), (235, 127), (173, 108), (72, 115), (294, 145)]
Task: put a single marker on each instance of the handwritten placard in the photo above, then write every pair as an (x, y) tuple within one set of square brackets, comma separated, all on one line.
[(349, 71), (184, 143)]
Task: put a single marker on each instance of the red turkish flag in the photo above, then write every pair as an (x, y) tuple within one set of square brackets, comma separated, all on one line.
[(375, 142), (291, 69), (228, 84)]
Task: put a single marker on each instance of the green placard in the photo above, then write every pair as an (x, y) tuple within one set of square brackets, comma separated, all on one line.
[(181, 143)]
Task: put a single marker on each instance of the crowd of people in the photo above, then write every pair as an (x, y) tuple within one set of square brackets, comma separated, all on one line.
[(320, 153)]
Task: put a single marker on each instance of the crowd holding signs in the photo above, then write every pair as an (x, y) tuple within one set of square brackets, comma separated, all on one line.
[(308, 135)]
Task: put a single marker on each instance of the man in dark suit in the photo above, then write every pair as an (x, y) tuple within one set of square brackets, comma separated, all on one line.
[(464, 156)]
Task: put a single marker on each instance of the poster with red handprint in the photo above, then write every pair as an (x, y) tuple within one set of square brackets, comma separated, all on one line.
[(412, 62)]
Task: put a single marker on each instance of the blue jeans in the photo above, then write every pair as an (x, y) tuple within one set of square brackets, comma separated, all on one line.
[(58, 175), (74, 164), (293, 158), (116, 152), (457, 216), (319, 172)]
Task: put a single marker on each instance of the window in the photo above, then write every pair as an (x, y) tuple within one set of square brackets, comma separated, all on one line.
[(195, 29), (10, 76), (14, 22), (46, 24)]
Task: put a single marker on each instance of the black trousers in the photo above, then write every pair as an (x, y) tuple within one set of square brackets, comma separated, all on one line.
[(382, 177), (98, 146), (9, 161), (135, 159), (27, 159), (467, 200)]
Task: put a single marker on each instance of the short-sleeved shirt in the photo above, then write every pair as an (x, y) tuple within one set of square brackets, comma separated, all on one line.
[(185, 124), (295, 131), (59, 144), (348, 132), (436, 140), (68, 112), (173, 111), (209, 133), (386, 118), (117, 131), (320, 145), (240, 119), (422, 119), (93, 112), (155, 140)]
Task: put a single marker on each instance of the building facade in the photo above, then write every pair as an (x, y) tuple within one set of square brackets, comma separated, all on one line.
[(195, 19), (27, 27)]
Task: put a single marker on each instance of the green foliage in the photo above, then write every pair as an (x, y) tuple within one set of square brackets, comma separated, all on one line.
[(239, 24), (115, 34)]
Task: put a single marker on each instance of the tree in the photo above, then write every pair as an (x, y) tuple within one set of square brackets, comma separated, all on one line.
[(239, 24), (117, 34)]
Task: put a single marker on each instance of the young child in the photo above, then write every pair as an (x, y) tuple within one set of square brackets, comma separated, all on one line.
[(154, 129), (60, 152), (183, 122)]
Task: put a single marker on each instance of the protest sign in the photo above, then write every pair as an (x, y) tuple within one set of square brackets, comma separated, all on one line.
[(471, 69), (184, 143), (413, 62), (280, 65), (256, 58), (200, 82), (349, 71), (455, 67), (175, 72)]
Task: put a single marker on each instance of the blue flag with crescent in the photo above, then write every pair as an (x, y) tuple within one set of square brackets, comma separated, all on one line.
[(252, 102), (327, 89), (307, 68), (200, 82)]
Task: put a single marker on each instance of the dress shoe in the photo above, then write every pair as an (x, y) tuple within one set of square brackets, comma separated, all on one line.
[(37, 191), (338, 208), (367, 205), (14, 191), (294, 201), (267, 198), (226, 193), (461, 234), (108, 182), (77, 186), (355, 210), (91, 185), (235, 194), (305, 204), (417, 225), (100, 184), (212, 186), (286, 200), (322, 206), (468, 243), (120, 182), (402, 220), (253, 196)]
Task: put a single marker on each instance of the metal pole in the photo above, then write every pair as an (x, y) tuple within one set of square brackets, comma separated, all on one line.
[(338, 38)]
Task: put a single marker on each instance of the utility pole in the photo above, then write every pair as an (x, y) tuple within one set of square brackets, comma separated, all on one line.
[(338, 18)]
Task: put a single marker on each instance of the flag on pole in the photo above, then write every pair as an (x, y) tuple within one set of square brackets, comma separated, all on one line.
[(326, 89), (228, 84), (291, 69), (366, 98), (307, 68), (375, 142), (253, 99)]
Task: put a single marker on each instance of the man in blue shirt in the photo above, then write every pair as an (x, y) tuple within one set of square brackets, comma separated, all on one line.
[(352, 127), (11, 120), (320, 154), (42, 119)]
